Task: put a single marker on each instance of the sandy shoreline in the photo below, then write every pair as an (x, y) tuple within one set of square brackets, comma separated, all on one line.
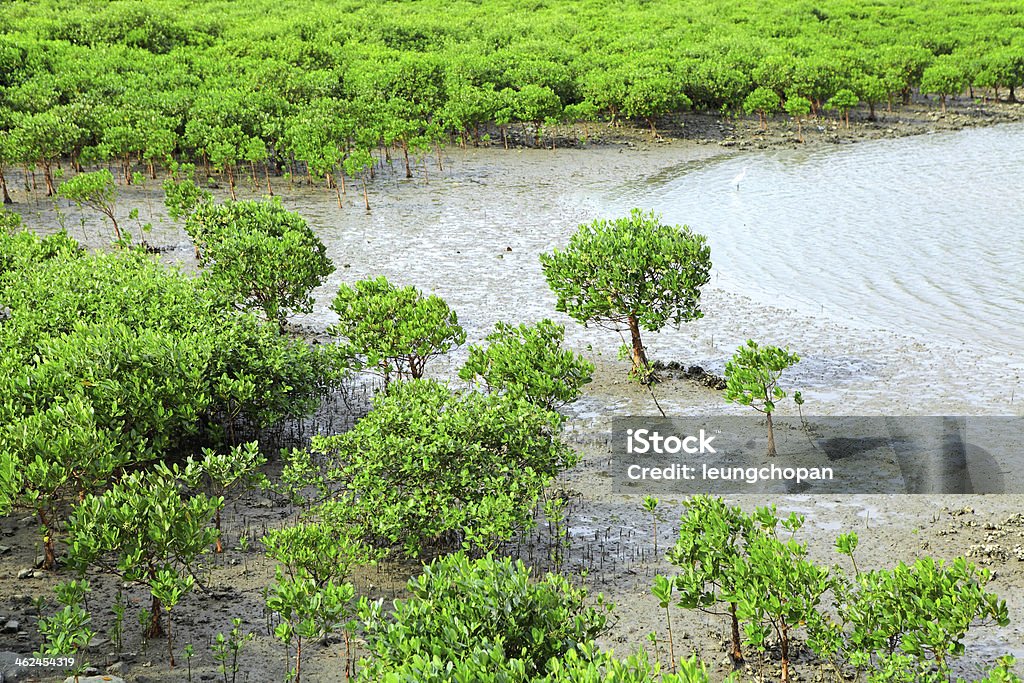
[(921, 116)]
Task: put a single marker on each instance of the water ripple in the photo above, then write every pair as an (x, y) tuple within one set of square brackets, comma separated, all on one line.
[(920, 235)]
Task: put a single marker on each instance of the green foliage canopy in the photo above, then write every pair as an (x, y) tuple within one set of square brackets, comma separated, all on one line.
[(255, 83), (529, 360), (95, 190), (488, 613), (260, 256), (752, 375), (752, 379), (393, 330), (432, 468), (146, 531), (112, 359), (631, 273)]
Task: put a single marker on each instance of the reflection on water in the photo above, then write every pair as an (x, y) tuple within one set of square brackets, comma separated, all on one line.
[(921, 235)]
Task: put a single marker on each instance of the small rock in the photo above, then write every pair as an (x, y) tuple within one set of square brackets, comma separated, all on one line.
[(11, 626), (26, 573), (116, 668), (40, 560), (94, 679), (9, 670), (4, 549), (988, 552)]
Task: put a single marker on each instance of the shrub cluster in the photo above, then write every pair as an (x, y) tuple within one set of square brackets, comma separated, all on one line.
[(900, 624), (489, 620), (111, 360), (239, 87)]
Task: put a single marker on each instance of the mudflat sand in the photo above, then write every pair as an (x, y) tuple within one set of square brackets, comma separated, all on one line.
[(471, 234)]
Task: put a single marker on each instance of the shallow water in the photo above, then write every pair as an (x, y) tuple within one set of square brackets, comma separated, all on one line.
[(893, 266), (921, 234)]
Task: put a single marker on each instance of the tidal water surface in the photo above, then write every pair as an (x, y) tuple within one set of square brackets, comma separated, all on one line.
[(923, 235)]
